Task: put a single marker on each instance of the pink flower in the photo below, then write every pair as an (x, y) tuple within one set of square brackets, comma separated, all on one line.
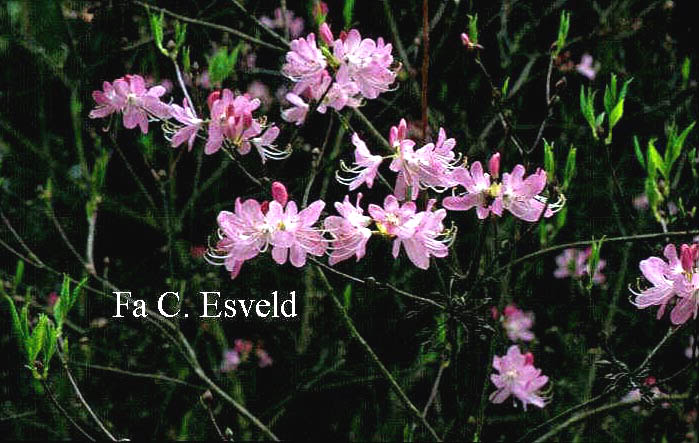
[(326, 34), (480, 193), (517, 323), (517, 377), (130, 96), (296, 236), (304, 60), (295, 24), (242, 347), (428, 239), (395, 219), (259, 90), (230, 361), (575, 263), (108, 102), (232, 123), (466, 41), (367, 63), (521, 196), (431, 166), (263, 358), (349, 231), (366, 166), (663, 276), (296, 114), (247, 232), (191, 122), (586, 68)]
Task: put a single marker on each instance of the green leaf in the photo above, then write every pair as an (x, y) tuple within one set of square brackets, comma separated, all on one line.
[(16, 323), (561, 217), (222, 64), (36, 340), (639, 154), (156, 27), (593, 261), (616, 114), (569, 171), (686, 66), (348, 12), (347, 296), (655, 161), (66, 301), (473, 28), (505, 87), (49, 346), (19, 273), (549, 161), (610, 95), (563, 28)]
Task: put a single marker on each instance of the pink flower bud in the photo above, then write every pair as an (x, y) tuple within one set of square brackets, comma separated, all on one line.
[(264, 207), (326, 34), (494, 165), (650, 381), (320, 9), (343, 36), (529, 359), (688, 256), (509, 310), (465, 40), (52, 298), (494, 312), (279, 193), (212, 98)]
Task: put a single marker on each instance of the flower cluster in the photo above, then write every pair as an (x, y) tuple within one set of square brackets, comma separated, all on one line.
[(255, 227), (517, 377), (354, 69), (674, 281), (575, 263), (519, 195), (231, 123)]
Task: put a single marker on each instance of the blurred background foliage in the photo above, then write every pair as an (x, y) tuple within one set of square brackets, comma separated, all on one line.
[(154, 207)]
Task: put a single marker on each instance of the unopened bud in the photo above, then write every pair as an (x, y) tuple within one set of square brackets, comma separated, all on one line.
[(326, 34), (494, 165), (212, 98), (207, 397), (279, 193)]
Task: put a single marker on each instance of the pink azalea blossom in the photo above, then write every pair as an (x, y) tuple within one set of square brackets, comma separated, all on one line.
[(296, 114), (395, 219), (130, 96), (304, 60), (293, 23), (586, 67), (575, 263), (667, 279), (366, 166), (485, 196), (367, 63), (232, 123), (349, 231), (520, 196), (263, 358), (230, 361), (192, 125), (297, 237), (431, 166), (517, 377), (428, 239), (517, 323), (517, 194)]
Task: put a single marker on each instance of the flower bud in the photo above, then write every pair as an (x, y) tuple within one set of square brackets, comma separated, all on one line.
[(529, 358), (279, 193), (326, 34), (494, 165), (212, 98), (264, 207), (688, 256)]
